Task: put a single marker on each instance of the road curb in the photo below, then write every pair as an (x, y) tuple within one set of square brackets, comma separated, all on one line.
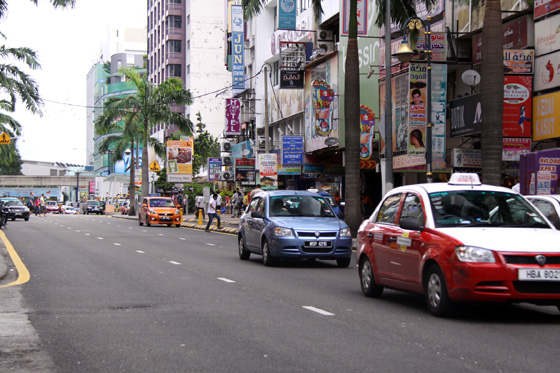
[(3, 259)]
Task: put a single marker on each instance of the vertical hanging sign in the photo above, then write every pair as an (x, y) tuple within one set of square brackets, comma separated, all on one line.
[(287, 14), (233, 110), (238, 48)]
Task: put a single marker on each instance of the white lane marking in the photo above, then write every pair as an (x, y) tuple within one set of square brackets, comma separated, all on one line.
[(318, 310), (210, 244), (144, 231), (173, 262), (116, 244), (140, 252), (87, 234), (69, 228), (160, 234), (226, 280), (183, 238), (130, 228), (99, 238), (77, 230)]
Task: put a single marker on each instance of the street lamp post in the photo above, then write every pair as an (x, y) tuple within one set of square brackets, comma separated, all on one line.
[(405, 54)]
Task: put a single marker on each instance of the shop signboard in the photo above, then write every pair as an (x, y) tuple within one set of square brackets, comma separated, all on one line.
[(233, 110), (546, 107), (179, 161), (547, 38), (466, 115), (292, 150), (245, 171), (466, 158), (544, 7), (268, 171), (547, 75), (518, 61), (513, 148), (517, 105), (214, 169), (313, 171)]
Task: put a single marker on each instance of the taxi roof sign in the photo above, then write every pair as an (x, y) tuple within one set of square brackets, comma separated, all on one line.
[(461, 178)]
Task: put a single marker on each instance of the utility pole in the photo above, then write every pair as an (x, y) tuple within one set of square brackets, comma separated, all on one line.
[(266, 139), (387, 171)]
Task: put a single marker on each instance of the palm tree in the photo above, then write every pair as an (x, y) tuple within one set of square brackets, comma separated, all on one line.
[(147, 107), (55, 3), (492, 87)]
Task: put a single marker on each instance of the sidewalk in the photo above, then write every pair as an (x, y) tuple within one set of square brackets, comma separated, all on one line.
[(229, 225)]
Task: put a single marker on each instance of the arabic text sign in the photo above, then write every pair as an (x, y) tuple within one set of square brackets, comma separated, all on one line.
[(292, 149)]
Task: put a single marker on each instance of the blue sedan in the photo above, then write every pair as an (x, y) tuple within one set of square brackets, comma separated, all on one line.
[(286, 224)]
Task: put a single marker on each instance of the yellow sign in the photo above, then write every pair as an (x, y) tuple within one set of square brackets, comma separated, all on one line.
[(154, 166), (4, 139), (545, 110)]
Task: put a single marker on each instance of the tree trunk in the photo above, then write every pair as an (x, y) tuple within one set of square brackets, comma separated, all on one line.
[(353, 216), (492, 86), (145, 165), (132, 186)]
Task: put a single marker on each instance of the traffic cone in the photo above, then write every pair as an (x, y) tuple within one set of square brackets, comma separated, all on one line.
[(200, 217)]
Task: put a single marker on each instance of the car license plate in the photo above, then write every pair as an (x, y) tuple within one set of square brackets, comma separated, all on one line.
[(538, 274), (317, 243), (165, 218)]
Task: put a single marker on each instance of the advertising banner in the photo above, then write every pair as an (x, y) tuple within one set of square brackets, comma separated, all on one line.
[(290, 79), (367, 132), (245, 171), (233, 110), (547, 74), (287, 14), (514, 147), (517, 106), (466, 115), (214, 169), (518, 61), (243, 149), (313, 171), (417, 120), (292, 150), (545, 125), (268, 171), (439, 104), (362, 17), (468, 158), (547, 38), (238, 48), (544, 7), (179, 161)]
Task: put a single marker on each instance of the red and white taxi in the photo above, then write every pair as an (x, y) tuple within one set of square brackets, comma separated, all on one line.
[(460, 241)]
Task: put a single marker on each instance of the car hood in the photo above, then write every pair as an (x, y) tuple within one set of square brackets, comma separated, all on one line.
[(309, 223), (508, 239), (164, 210)]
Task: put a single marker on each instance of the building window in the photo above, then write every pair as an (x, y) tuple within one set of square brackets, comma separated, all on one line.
[(174, 46), (175, 71), (174, 21), (275, 73), (188, 69), (174, 1), (189, 19), (188, 44)]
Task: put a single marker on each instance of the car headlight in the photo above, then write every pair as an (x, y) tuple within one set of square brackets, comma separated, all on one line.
[(177, 212), (282, 232), (345, 232), (153, 212), (473, 254)]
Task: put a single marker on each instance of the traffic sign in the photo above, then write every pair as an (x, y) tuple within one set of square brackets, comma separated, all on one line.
[(154, 166), (4, 139)]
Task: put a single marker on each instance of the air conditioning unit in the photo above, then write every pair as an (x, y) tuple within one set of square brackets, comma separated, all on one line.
[(327, 46), (226, 147), (227, 175), (260, 131), (261, 143), (325, 35), (227, 161)]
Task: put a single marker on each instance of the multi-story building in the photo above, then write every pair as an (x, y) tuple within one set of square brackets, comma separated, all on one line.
[(186, 40)]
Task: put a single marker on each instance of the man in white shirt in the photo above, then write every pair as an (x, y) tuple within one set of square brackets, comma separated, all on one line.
[(212, 205), (199, 204), (516, 187)]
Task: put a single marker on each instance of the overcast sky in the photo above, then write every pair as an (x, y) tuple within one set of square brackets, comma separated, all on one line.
[(68, 42)]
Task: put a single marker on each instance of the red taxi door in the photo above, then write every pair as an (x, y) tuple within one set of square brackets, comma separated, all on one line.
[(407, 249)]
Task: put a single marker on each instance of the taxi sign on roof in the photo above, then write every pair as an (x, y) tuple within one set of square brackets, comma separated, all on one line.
[(464, 179)]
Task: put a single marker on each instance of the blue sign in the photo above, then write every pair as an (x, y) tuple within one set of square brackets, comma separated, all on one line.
[(287, 14), (292, 149), (241, 150), (238, 48)]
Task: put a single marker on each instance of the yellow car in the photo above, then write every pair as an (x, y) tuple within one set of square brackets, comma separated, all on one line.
[(159, 210)]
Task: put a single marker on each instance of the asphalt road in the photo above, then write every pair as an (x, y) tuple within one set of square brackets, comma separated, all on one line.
[(106, 295)]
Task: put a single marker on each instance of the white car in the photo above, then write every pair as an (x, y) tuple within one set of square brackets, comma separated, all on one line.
[(69, 210), (549, 205)]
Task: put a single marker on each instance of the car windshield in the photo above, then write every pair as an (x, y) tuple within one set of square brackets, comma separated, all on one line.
[(330, 200), (484, 208), (13, 202), (93, 202), (161, 203), (51, 203), (300, 206)]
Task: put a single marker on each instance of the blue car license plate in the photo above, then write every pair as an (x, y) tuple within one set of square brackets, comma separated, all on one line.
[(317, 244)]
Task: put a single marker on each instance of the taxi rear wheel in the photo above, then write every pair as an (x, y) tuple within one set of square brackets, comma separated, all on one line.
[(435, 291), (367, 280)]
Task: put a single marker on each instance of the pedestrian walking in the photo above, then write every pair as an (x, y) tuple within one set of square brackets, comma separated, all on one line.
[(42, 205), (212, 205), (237, 203), (199, 205)]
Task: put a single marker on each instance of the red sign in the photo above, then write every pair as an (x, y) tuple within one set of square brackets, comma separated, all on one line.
[(517, 105), (544, 7), (515, 37)]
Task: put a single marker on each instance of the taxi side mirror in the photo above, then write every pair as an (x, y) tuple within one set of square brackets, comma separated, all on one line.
[(411, 224), (256, 214)]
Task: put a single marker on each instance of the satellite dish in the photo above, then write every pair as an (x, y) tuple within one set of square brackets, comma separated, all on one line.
[(470, 78), (331, 141), (245, 152)]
